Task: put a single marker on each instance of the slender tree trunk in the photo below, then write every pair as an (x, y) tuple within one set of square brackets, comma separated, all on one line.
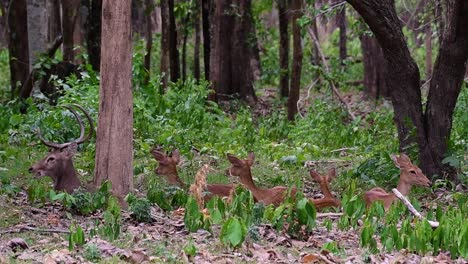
[(79, 33), (70, 13), (284, 47), (55, 21), (374, 68), (149, 40), (184, 48), (18, 46), (196, 49), (206, 7), (174, 63), (37, 28), (296, 6), (428, 43), (114, 147), (341, 21), (164, 63), (93, 33)]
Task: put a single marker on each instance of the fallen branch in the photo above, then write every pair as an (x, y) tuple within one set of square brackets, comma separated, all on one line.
[(327, 70), (412, 209), (303, 99), (329, 214), (34, 229)]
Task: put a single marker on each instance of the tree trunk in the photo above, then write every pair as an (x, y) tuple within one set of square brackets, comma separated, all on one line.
[(341, 21), (93, 33), (296, 6), (374, 68), (206, 10), (79, 32), (174, 62), (184, 47), (196, 49), (230, 70), (446, 81), (69, 15), (164, 63), (430, 130), (55, 21), (37, 28), (18, 46), (428, 43), (149, 40), (114, 147), (284, 47)]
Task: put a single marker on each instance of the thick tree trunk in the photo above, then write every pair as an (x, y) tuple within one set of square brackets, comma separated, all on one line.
[(149, 40), (37, 28), (196, 49), (164, 60), (341, 21), (446, 81), (374, 68), (70, 13), (206, 10), (284, 47), (296, 6), (93, 33), (18, 46), (174, 61), (230, 54), (114, 147)]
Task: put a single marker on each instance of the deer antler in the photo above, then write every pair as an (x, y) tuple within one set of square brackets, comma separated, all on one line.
[(81, 139)]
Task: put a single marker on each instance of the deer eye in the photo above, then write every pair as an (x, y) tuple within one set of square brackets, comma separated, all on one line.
[(50, 159), (413, 172)]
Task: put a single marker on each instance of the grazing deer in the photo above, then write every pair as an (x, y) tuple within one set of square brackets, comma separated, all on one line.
[(241, 169), (328, 200), (168, 168), (410, 175), (58, 163)]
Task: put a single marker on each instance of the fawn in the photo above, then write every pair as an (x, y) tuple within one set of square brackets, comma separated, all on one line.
[(168, 168), (241, 168), (410, 175), (329, 200)]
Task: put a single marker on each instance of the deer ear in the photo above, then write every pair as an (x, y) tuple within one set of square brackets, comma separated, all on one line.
[(331, 173), (396, 161), (234, 160), (71, 149), (404, 158), (159, 156), (314, 175), (251, 158), (176, 155)]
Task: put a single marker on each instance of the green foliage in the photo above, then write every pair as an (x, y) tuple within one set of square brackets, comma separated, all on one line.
[(140, 208), (110, 229), (233, 232), (76, 236), (167, 199), (193, 218), (92, 253)]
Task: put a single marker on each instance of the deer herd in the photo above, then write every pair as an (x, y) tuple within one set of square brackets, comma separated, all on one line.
[(58, 165)]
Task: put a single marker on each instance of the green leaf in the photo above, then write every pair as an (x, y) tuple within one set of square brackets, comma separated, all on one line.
[(233, 232)]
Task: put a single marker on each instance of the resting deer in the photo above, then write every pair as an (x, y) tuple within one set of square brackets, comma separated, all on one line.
[(241, 168), (168, 168), (58, 163), (328, 200), (410, 175)]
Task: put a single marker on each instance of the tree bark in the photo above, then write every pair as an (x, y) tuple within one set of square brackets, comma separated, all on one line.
[(184, 46), (37, 28), (93, 33), (114, 147), (341, 21), (164, 60), (296, 6), (55, 21), (206, 10), (230, 54), (374, 68), (284, 47), (174, 61), (196, 49), (149, 40), (69, 15), (18, 46)]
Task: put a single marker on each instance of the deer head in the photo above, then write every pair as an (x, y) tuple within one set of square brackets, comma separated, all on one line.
[(323, 181), (58, 163), (168, 166), (410, 174)]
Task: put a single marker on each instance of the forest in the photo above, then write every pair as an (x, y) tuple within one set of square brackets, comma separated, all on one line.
[(249, 131)]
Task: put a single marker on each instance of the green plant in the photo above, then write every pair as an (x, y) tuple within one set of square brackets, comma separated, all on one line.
[(92, 253), (76, 236), (112, 222), (233, 232), (140, 208)]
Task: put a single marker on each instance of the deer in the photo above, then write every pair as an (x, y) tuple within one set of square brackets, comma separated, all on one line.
[(328, 200), (241, 169), (410, 175), (58, 163), (168, 168)]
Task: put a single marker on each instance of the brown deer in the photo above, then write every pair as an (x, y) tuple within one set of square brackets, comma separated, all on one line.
[(328, 200), (241, 169), (168, 168), (410, 175), (58, 163)]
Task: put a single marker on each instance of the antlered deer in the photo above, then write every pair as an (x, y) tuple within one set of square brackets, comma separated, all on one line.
[(410, 175), (58, 163), (168, 168)]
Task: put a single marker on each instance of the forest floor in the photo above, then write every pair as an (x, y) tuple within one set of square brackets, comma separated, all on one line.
[(30, 234)]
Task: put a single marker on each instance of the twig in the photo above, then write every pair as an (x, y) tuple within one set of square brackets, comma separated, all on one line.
[(412, 209), (329, 214), (327, 69), (303, 99), (29, 228), (325, 259), (341, 149)]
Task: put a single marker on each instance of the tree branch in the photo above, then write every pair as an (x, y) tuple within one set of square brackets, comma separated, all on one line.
[(412, 209)]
